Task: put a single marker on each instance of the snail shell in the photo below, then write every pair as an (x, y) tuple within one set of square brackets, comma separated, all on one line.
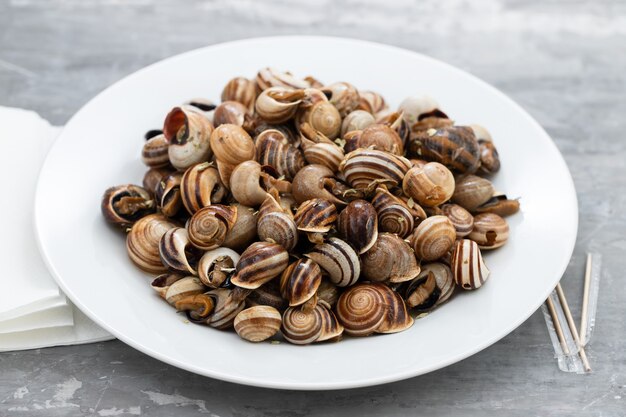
[(232, 145), (168, 195), (372, 102), (472, 191), (155, 152), (396, 121), (455, 147), (323, 117), (422, 293), (375, 136), (268, 295), (462, 220), (431, 122), (489, 158), (316, 216), (258, 264), (182, 288), (243, 232), (394, 216), (365, 167), (300, 281), (302, 326), (331, 328), (327, 292), (259, 323), (273, 148), (228, 303), (313, 181), (318, 149), (125, 204), (356, 120), (142, 242), (278, 104), (490, 231), (416, 108), (443, 279), (177, 252), (390, 259), (467, 265), (188, 133), (242, 90), (338, 260), (358, 224), (271, 77), (276, 225), (397, 317), (208, 226), (360, 309), (201, 186), (429, 185), (216, 266), (153, 177), (250, 182), (163, 282), (500, 205), (344, 96), (433, 238), (231, 112)]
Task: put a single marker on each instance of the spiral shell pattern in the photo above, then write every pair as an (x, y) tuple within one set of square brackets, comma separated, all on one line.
[(300, 281), (360, 309), (490, 231), (462, 219), (468, 268), (356, 120), (232, 145), (331, 328), (277, 104), (323, 117), (397, 317), (174, 249), (274, 149), (455, 147), (258, 264), (326, 154), (429, 185), (258, 323), (271, 77), (433, 238), (242, 90), (393, 214), (142, 242), (375, 136), (154, 153), (390, 259), (200, 187), (358, 224), (302, 326), (228, 303), (364, 166), (316, 215), (278, 227), (338, 259), (208, 226)]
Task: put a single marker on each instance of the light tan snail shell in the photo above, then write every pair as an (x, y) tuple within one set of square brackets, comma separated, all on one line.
[(142, 242), (209, 226), (258, 323), (472, 191), (391, 259), (188, 133), (462, 219), (216, 265), (490, 231), (430, 185), (275, 224), (365, 167), (433, 238)]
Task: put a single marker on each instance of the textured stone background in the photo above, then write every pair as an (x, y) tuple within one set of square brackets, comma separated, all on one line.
[(564, 61)]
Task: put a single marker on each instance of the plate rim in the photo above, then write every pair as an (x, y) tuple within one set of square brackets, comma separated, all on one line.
[(290, 385)]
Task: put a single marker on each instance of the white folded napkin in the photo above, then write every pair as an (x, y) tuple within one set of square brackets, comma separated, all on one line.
[(33, 311)]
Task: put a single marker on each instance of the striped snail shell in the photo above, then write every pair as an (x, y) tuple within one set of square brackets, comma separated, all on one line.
[(155, 152), (358, 224), (249, 183), (338, 260), (302, 326), (177, 252), (278, 104), (455, 147), (422, 293), (391, 259), (462, 219), (142, 242), (443, 279), (153, 177), (397, 122), (344, 96), (271, 77), (163, 282), (490, 231), (242, 90), (327, 292), (208, 226), (331, 328), (313, 181), (300, 281), (356, 120), (275, 224), (243, 232), (499, 204), (433, 238), (216, 265), (258, 264), (228, 303), (472, 191), (226, 171), (316, 216), (375, 136), (201, 186), (197, 306), (232, 145), (168, 196), (393, 214), (360, 309), (188, 134), (258, 323), (430, 185), (372, 102), (430, 122), (273, 148), (123, 205), (182, 288), (397, 317), (319, 149), (467, 265), (268, 294), (321, 116), (365, 167)]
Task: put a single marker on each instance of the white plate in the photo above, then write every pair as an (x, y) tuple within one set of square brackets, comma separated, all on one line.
[(100, 147)]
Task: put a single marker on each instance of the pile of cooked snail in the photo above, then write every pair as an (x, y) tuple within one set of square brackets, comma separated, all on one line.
[(311, 209)]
